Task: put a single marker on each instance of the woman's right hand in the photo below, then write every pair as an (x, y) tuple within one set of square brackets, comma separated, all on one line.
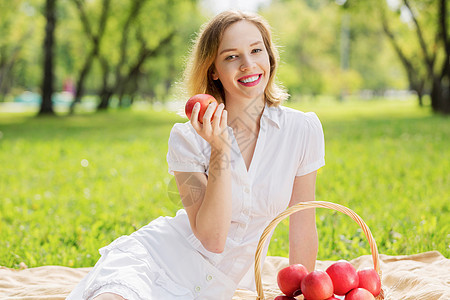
[(214, 131), (210, 218)]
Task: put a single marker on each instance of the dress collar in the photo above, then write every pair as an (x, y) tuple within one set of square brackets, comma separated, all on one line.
[(272, 113)]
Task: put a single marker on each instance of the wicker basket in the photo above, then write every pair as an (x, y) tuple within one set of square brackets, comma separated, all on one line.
[(306, 205)]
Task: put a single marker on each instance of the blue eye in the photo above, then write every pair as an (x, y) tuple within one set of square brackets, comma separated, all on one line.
[(256, 50), (230, 57)]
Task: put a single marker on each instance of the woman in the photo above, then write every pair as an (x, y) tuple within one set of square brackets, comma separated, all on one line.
[(235, 172)]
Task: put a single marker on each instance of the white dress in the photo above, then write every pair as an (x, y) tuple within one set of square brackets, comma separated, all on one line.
[(164, 259)]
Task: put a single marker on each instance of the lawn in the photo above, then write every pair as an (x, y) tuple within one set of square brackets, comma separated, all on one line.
[(70, 185)]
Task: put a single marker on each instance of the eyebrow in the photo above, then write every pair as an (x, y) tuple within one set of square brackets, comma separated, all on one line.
[(235, 49)]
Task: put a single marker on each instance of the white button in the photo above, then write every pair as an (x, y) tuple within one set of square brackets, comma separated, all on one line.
[(247, 190), (209, 277), (197, 289)]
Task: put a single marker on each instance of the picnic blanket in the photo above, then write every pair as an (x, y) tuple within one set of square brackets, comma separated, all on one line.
[(424, 276)]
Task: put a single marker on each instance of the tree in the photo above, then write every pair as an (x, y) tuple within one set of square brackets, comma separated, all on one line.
[(124, 79), (419, 33), (49, 43), (16, 32), (128, 48), (330, 49), (109, 47), (95, 39)]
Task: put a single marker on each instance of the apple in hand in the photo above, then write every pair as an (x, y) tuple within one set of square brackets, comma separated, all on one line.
[(289, 279), (370, 280), (317, 285), (359, 294), (204, 100), (344, 277)]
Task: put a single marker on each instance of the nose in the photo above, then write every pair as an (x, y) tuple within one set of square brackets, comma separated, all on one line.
[(247, 63)]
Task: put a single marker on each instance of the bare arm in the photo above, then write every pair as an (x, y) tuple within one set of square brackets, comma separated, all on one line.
[(303, 240), (207, 200)]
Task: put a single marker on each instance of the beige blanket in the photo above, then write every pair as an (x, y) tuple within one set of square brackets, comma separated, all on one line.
[(424, 276)]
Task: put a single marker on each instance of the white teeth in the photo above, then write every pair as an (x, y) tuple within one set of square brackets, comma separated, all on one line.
[(250, 79)]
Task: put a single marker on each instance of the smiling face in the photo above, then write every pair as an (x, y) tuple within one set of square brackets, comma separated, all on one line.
[(242, 63)]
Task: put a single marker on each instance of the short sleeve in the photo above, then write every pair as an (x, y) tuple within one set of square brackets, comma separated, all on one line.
[(185, 150), (312, 152)]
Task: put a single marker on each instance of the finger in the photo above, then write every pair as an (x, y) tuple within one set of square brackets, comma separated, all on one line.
[(207, 117), (218, 114), (224, 120), (209, 112), (224, 128), (194, 117)]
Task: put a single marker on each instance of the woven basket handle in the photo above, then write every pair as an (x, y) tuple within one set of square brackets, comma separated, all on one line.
[(302, 206)]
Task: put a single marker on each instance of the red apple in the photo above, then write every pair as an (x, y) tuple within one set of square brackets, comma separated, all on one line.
[(284, 298), (317, 285), (204, 100), (289, 279), (359, 294), (370, 280), (344, 277)]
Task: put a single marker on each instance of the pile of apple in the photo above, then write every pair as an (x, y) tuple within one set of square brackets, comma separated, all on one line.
[(339, 279)]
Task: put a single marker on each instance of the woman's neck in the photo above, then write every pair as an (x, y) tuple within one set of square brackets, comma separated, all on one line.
[(245, 115)]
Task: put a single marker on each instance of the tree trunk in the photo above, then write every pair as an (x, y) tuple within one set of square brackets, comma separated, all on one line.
[(416, 82), (440, 97), (437, 80), (80, 82), (419, 89), (5, 78), (47, 84), (4, 84), (122, 82), (420, 98), (7, 63), (105, 97), (105, 93), (96, 39), (440, 89)]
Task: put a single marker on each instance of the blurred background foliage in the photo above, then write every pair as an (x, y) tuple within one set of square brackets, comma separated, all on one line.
[(111, 52)]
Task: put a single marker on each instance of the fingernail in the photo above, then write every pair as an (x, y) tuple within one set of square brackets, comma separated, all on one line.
[(197, 105)]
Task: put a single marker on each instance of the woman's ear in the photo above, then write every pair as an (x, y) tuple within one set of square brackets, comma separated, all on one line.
[(214, 74)]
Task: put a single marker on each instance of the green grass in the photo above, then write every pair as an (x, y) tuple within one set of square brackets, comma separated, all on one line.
[(70, 185), (389, 161)]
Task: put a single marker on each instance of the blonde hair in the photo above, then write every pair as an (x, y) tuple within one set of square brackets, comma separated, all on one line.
[(198, 73)]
